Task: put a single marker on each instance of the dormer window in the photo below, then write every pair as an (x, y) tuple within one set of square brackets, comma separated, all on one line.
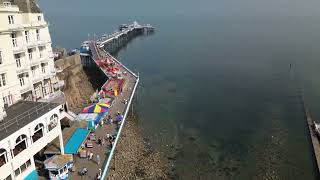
[(6, 4), (39, 18)]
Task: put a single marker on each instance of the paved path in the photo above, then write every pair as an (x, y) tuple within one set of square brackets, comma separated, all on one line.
[(118, 105), (314, 138)]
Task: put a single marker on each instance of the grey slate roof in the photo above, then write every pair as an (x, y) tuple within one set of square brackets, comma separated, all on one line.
[(20, 111)]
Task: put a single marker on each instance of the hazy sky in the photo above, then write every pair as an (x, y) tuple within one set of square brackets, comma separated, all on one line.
[(184, 7)]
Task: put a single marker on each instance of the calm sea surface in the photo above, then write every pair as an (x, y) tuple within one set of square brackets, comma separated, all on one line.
[(215, 79)]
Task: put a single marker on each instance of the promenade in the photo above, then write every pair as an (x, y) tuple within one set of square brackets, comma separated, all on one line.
[(105, 153)]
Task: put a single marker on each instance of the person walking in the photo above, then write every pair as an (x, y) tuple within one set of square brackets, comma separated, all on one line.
[(91, 156), (98, 159), (88, 155), (98, 177)]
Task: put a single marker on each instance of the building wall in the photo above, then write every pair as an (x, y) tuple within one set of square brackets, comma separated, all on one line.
[(35, 71), (33, 147)]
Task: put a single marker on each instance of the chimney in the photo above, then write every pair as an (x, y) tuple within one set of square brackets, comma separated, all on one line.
[(28, 6)]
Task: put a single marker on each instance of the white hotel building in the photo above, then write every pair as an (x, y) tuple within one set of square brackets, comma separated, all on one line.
[(27, 74), (26, 59)]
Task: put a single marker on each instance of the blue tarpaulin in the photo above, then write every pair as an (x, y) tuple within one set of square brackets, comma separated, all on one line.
[(32, 176), (75, 141)]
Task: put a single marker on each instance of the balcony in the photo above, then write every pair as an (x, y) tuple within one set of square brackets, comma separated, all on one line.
[(34, 62), (18, 46), (27, 87), (47, 75), (36, 79), (32, 44), (42, 42), (44, 59), (22, 69), (37, 24), (15, 27)]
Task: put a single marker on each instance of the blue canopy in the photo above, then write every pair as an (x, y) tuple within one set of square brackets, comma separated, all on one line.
[(75, 141)]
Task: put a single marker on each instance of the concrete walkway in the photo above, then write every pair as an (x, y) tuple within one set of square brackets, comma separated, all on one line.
[(118, 105)]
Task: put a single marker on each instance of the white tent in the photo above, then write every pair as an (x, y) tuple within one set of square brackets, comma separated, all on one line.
[(86, 116)]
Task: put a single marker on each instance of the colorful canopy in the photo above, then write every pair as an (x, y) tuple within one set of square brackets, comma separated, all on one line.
[(97, 108)]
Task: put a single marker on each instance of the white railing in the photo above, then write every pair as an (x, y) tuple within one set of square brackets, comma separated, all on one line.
[(31, 42), (105, 170), (37, 79), (15, 26), (23, 68), (18, 45)]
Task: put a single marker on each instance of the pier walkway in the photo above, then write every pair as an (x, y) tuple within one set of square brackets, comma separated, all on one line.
[(100, 57), (130, 28)]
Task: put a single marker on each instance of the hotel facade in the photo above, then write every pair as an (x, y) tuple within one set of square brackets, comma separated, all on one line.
[(26, 60), (27, 76)]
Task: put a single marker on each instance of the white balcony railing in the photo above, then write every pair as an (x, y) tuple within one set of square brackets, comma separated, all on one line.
[(22, 69), (42, 42), (18, 45), (15, 27), (47, 75), (27, 87), (32, 43), (44, 59), (34, 62), (37, 78)]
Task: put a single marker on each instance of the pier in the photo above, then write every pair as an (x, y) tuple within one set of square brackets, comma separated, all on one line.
[(97, 55), (313, 136)]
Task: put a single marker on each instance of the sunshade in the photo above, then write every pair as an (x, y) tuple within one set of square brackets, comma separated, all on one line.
[(97, 108)]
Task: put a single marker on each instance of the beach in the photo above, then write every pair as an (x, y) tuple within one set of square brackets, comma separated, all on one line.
[(135, 158)]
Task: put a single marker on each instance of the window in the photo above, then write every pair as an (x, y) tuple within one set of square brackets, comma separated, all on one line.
[(17, 172), (18, 62), (41, 51), (7, 99), (30, 54), (17, 58), (39, 18), (21, 144), (28, 163), (11, 20), (21, 79), (38, 34), (38, 132), (43, 69), (3, 81), (8, 178), (14, 39), (7, 4), (26, 33), (0, 57), (3, 157), (33, 70), (53, 122), (22, 168)]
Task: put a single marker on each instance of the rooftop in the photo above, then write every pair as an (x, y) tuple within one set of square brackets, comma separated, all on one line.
[(21, 114), (23, 6)]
